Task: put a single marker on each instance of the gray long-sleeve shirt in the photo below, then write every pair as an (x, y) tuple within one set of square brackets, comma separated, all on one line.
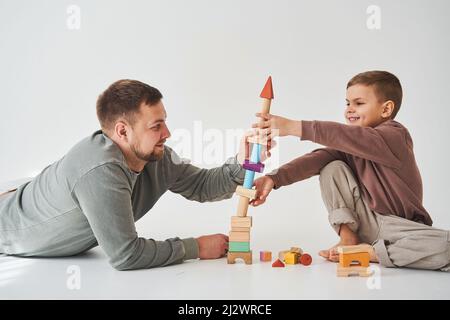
[(90, 197)]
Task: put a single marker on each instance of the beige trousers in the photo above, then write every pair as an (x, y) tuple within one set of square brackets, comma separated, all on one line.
[(398, 242)]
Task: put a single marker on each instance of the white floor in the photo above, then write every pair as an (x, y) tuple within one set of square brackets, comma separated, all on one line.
[(26, 278)]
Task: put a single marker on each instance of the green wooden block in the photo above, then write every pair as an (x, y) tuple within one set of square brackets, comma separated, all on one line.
[(234, 246)]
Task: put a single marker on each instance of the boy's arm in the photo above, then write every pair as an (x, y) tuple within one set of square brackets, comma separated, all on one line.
[(378, 144), (104, 196), (203, 185), (304, 167)]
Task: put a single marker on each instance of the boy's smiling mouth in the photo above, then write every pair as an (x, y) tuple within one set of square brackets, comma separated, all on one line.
[(353, 118)]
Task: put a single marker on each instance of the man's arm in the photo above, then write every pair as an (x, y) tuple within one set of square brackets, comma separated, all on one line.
[(203, 185), (104, 196)]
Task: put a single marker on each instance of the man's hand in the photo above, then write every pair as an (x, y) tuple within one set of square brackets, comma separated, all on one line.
[(278, 126), (263, 186), (244, 148), (212, 246)]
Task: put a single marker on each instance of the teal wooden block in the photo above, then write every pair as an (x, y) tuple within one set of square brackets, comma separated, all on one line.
[(234, 246)]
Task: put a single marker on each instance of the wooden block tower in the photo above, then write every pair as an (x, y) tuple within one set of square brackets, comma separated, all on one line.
[(239, 237)]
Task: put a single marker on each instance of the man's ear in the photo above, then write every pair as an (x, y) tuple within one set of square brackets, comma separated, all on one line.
[(121, 130), (388, 109)]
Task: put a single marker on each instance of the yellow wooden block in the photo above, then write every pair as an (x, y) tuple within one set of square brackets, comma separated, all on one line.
[(291, 258), (239, 236), (244, 192), (245, 222)]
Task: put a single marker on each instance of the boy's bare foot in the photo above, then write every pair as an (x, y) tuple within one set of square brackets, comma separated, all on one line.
[(348, 238), (332, 254)]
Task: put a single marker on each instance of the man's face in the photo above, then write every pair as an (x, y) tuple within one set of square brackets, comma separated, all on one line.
[(149, 132), (363, 107)]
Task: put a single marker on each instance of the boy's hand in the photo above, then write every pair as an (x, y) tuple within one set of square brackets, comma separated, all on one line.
[(278, 126), (263, 186), (212, 246)]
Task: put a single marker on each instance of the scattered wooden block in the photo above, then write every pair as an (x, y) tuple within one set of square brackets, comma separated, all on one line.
[(359, 259), (239, 236), (278, 264), (291, 258), (241, 221), (354, 249), (237, 246), (296, 249), (246, 256), (305, 259), (349, 271), (244, 192), (265, 256), (281, 254)]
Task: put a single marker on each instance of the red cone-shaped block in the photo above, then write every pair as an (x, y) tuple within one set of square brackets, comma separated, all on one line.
[(267, 92)]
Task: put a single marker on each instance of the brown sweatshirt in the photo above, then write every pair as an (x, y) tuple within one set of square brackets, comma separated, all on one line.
[(381, 158)]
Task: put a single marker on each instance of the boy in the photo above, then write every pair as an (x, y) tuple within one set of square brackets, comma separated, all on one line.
[(369, 178)]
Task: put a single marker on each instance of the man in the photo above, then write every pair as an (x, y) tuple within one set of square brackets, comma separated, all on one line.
[(106, 182)]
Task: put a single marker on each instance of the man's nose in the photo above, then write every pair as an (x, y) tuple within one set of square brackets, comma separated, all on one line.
[(166, 134)]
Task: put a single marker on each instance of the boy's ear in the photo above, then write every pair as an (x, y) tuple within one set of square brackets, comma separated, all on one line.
[(388, 108)]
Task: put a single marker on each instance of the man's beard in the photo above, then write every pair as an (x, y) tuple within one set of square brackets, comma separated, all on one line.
[(153, 156)]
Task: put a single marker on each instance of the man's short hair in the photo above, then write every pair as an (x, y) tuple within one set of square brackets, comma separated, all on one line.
[(122, 99), (385, 84)]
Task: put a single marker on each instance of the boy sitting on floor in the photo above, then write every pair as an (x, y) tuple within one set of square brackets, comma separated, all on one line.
[(369, 178)]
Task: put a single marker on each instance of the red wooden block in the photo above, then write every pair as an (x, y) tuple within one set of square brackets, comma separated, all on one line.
[(278, 264), (305, 259), (267, 92)]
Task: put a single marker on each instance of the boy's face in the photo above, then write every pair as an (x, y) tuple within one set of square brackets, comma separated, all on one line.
[(363, 107)]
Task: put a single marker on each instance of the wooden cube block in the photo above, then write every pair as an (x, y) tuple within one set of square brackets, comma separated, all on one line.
[(291, 258), (241, 221), (265, 256), (239, 236)]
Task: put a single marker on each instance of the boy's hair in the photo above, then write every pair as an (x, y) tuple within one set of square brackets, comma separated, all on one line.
[(123, 99), (385, 84)]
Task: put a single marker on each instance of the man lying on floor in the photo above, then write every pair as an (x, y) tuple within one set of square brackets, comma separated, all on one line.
[(109, 180)]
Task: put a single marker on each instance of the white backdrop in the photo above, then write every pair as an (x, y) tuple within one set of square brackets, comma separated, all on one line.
[(210, 60)]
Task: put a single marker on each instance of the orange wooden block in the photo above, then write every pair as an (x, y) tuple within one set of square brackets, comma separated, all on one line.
[(265, 256), (359, 259)]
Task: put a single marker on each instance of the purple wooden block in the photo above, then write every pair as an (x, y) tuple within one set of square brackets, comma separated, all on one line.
[(256, 167)]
